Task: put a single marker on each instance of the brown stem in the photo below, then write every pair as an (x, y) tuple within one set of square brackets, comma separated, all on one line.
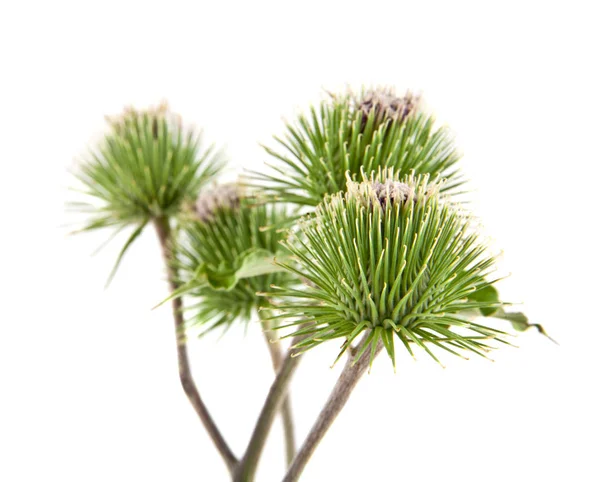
[(163, 230), (286, 408), (337, 399)]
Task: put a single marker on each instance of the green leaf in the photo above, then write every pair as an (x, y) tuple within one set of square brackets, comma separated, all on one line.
[(254, 262), (128, 243), (488, 295), (520, 322)]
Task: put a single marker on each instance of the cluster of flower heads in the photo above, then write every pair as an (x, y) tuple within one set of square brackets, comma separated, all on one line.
[(382, 253)]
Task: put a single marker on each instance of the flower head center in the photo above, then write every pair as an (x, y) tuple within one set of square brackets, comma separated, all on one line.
[(395, 191), (387, 106), (225, 196)]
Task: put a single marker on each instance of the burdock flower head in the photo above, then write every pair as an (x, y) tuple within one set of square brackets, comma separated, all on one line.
[(225, 257), (349, 133), (145, 167), (391, 258)]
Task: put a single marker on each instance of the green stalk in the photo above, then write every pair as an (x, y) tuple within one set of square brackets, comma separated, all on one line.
[(246, 470), (163, 230), (287, 418)]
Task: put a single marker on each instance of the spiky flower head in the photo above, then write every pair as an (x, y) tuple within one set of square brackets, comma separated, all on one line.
[(353, 133), (145, 167), (225, 257), (391, 258)]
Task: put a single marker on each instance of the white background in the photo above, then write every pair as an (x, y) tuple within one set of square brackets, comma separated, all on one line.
[(88, 384)]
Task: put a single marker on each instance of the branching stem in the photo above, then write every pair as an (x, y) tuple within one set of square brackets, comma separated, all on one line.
[(163, 230), (348, 379)]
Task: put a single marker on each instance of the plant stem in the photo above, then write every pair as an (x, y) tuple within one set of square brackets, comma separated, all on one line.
[(246, 469), (352, 372), (286, 407), (163, 230)]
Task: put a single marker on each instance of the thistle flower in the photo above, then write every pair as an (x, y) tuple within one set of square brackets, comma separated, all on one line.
[(224, 258), (389, 257), (350, 133), (144, 168)]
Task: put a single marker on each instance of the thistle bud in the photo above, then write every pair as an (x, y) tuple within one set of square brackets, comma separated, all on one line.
[(146, 167), (225, 258), (369, 131), (390, 258)]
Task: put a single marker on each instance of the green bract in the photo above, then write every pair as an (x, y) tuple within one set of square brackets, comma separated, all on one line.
[(144, 168), (392, 259), (349, 134), (225, 259)]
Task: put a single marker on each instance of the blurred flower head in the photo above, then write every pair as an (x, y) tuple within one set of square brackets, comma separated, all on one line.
[(225, 257), (145, 167), (350, 133)]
